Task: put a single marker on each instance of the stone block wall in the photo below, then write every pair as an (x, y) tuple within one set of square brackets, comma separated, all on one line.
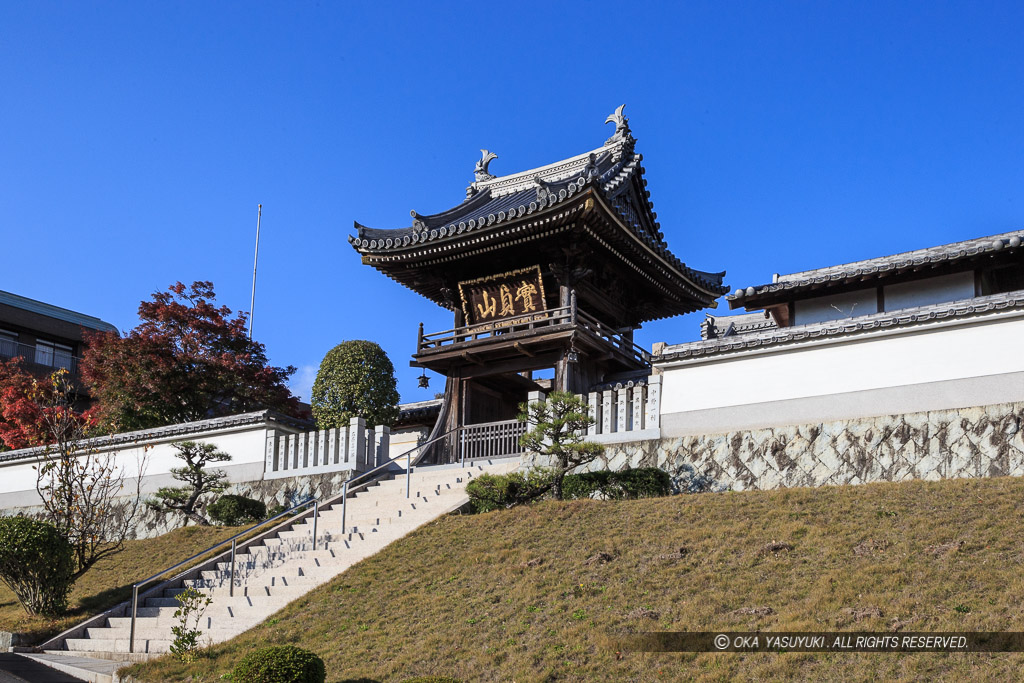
[(984, 441)]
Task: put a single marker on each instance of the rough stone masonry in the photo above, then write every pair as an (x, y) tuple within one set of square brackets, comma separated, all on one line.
[(985, 441)]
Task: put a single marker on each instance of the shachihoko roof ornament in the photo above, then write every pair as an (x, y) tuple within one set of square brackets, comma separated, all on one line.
[(606, 184)]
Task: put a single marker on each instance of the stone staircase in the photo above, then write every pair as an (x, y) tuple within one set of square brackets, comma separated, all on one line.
[(283, 567)]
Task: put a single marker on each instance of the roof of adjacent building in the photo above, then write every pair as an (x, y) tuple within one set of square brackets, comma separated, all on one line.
[(613, 171), (49, 310), (717, 326), (418, 413), (846, 327), (918, 259)]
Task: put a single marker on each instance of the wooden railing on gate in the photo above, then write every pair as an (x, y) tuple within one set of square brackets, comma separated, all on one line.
[(491, 439)]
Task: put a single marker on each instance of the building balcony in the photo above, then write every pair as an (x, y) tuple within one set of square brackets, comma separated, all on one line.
[(39, 360), (545, 337)]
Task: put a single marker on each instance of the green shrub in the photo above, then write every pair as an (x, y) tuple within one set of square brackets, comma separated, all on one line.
[(496, 492), (231, 510), (644, 482), (280, 664), (355, 379), (37, 563)]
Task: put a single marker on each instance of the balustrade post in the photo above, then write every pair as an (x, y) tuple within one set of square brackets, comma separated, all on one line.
[(282, 452), (592, 408), (357, 442), (271, 452), (606, 411), (653, 402), (638, 406), (381, 444), (620, 408)]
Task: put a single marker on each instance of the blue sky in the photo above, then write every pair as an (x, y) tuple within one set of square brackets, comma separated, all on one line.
[(137, 138)]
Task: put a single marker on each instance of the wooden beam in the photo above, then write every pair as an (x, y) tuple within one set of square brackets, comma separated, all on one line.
[(522, 349), (471, 358)]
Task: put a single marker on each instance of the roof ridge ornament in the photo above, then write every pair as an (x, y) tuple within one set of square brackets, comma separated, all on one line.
[(481, 172), (622, 131)]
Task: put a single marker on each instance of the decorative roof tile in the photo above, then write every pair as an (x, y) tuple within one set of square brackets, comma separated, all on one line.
[(613, 171), (877, 266), (717, 326), (903, 318)]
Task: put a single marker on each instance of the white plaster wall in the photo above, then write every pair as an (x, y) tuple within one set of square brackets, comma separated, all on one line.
[(810, 369), (933, 290), (835, 307), (246, 447), (404, 439)]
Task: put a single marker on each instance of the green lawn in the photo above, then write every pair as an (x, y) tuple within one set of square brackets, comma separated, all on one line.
[(110, 580), (525, 595)]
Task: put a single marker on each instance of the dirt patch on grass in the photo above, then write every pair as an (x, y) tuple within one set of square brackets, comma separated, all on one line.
[(599, 559), (776, 547), (941, 549), (869, 548), (862, 613)]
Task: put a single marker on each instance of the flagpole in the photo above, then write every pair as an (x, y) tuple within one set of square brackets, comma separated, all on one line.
[(255, 261)]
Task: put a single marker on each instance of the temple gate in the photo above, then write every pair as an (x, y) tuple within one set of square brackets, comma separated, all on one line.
[(554, 267)]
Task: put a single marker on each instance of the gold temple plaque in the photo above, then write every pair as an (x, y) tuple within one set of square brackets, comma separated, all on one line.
[(504, 299)]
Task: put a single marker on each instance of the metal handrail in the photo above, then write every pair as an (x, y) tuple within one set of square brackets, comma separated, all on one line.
[(346, 489), (233, 540)]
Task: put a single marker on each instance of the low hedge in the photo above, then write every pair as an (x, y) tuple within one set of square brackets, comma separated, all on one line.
[(643, 482), (496, 492), (499, 491), (231, 510), (280, 664)]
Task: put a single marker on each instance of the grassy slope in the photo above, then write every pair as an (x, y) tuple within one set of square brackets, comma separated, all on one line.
[(109, 581), (510, 595)]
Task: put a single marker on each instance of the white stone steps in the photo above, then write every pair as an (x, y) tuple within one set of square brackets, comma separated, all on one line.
[(282, 568)]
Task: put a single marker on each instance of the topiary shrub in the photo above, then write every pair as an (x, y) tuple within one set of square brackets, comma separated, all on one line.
[(499, 491), (355, 379), (37, 563), (231, 510), (280, 664), (643, 482)]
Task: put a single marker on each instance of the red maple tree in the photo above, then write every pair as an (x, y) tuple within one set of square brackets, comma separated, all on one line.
[(37, 412), (187, 360)]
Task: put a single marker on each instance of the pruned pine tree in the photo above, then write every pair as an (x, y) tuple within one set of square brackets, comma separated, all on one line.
[(188, 500), (559, 426)]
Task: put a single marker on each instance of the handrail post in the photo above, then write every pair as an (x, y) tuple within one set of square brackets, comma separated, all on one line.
[(231, 584), (461, 445), (344, 505), (408, 472), (135, 608), (316, 513)]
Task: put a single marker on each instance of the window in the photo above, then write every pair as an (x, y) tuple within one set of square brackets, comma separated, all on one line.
[(53, 355), (8, 344)]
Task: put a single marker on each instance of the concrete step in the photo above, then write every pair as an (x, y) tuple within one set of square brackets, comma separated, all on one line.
[(117, 645), (84, 668), (272, 574)]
